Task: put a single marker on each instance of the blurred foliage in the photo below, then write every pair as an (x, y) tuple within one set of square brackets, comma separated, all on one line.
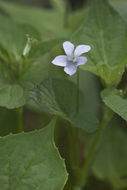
[(48, 3), (110, 159), (48, 23)]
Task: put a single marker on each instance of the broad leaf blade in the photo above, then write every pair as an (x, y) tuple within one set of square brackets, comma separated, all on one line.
[(115, 102), (106, 32), (13, 96), (31, 161), (58, 97), (120, 6), (42, 47)]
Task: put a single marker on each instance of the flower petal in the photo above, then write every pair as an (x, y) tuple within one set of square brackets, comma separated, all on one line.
[(70, 69), (81, 49), (68, 48), (81, 60), (60, 60)]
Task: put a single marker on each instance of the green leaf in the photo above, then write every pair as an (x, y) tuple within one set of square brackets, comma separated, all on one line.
[(120, 6), (33, 75), (31, 161), (17, 94), (115, 102), (58, 97), (106, 32), (43, 47), (77, 17), (12, 96), (90, 86), (110, 161), (13, 35), (19, 74)]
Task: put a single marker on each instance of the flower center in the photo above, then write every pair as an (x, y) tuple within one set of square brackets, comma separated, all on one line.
[(72, 58)]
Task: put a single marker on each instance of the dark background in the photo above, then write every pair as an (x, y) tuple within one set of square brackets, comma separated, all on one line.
[(74, 4)]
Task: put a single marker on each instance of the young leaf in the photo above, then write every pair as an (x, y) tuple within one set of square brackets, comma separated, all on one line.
[(110, 161), (106, 32), (115, 102), (19, 74), (58, 97), (31, 161), (13, 35)]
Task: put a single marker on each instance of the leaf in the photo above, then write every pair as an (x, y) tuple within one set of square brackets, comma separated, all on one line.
[(110, 161), (13, 35), (90, 87), (31, 161), (115, 102), (120, 6), (58, 97), (18, 72), (106, 32), (33, 75), (43, 47), (77, 17), (13, 96)]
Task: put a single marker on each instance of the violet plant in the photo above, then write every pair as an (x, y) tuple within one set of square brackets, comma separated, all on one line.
[(79, 109)]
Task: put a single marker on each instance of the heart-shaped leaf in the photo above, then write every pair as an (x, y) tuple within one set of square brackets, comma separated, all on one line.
[(58, 97), (106, 32), (31, 161)]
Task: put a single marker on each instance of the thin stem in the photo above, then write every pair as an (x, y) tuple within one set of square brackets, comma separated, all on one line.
[(20, 119), (91, 152), (70, 141), (77, 91), (77, 144), (87, 163), (76, 131)]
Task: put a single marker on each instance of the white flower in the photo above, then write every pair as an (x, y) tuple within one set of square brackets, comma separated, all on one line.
[(73, 58)]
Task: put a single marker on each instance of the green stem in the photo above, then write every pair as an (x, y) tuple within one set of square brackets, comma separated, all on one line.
[(87, 163), (77, 141), (71, 147), (77, 91), (20, 119)]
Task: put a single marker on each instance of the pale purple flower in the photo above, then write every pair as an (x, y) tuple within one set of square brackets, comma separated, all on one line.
[(73, 57)]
